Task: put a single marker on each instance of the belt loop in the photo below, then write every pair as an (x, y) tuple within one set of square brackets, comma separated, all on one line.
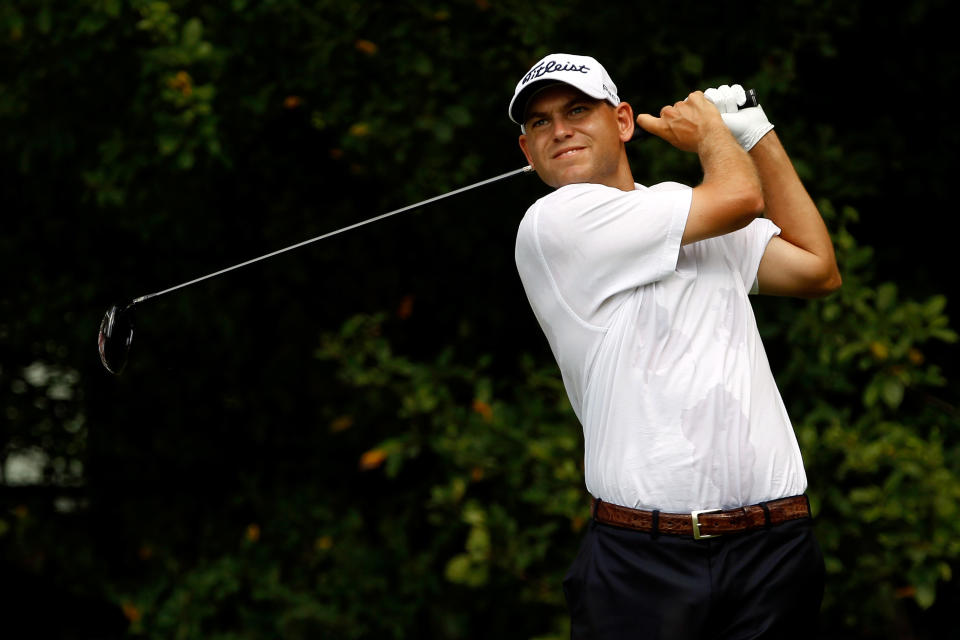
[(596, 505), (809, 508), (655, 524), (766, 515)]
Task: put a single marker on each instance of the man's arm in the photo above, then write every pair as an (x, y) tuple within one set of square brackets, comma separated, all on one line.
[(800, 262), (730, 196)]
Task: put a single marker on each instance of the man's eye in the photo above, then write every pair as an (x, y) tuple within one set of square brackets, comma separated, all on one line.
[(577, 110), (538, 123)]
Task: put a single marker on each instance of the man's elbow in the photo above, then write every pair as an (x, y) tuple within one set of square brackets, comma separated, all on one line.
[(750, 205), (823, 286), (833, 283), (756, 202)]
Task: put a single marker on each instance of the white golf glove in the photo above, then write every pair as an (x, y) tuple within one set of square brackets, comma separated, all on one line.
[(747, 125)]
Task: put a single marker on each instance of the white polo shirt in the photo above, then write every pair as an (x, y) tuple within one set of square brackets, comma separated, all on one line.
[(659, 349)]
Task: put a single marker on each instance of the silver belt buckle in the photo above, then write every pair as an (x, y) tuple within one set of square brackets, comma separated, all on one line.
[(695, 520)]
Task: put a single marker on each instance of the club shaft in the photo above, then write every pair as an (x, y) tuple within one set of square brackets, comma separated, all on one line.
[(639, 133), (330, 234)]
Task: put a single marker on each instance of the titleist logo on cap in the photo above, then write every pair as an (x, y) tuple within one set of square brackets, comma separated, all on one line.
[(553, 67)]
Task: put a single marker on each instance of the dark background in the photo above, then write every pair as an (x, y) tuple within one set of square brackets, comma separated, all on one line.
[(120, 177)]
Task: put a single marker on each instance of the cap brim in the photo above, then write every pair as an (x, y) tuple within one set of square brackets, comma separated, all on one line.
[(518, 106)]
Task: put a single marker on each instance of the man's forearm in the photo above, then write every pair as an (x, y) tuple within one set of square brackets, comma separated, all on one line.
[(787, 202), (732, 177), (724, 162), (730, 196), (801, 262)]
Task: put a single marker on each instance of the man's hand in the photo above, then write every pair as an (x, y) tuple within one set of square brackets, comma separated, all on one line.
[(686, 124), (747, 125), (730, 195)]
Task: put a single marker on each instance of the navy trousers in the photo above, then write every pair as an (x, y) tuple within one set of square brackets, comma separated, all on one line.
[(760, 584)]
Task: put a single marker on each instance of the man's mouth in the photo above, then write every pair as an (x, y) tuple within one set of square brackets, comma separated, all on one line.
[(566, 153)]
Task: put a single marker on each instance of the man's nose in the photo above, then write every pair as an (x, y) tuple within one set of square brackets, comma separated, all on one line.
[(561, 128)]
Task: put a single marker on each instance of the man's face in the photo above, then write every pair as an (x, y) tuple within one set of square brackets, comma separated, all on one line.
[(571, 137)]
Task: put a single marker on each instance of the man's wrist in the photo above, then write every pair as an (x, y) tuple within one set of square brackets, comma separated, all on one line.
[(752, 137), (716, 137), (763, 142)]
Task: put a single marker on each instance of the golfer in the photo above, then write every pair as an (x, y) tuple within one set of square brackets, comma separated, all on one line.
[(700, 525)]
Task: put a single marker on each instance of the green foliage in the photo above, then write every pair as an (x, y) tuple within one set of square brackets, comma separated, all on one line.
[(494, 473), (881, 448), (461, 489), (505, 462), (309, 572)]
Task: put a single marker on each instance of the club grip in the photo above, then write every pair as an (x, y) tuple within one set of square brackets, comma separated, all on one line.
[(640, 133)]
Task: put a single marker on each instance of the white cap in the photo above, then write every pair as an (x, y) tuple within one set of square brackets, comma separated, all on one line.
[(582, 72)]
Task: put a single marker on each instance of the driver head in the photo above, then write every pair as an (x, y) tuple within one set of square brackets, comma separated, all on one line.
[(115, 337)]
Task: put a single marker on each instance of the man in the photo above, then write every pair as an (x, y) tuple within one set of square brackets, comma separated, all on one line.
[(700, 527)]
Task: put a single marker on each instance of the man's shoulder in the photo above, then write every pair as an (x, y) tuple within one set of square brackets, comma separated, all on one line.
[(581, 196), (570, 192), (559, 200), (666, 186), (578, 196)]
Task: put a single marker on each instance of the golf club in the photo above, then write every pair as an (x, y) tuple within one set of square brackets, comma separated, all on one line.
[(116, 328)]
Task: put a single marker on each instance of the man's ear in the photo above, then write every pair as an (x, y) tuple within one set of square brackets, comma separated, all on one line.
[(526, 152), (625, 121)]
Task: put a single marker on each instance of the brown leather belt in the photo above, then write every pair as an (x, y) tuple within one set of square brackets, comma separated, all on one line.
[(703, 524)]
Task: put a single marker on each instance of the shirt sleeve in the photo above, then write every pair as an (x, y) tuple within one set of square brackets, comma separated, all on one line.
[(745, 248), (597, 242)]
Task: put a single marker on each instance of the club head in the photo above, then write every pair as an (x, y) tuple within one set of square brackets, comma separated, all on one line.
[(116, 335)]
